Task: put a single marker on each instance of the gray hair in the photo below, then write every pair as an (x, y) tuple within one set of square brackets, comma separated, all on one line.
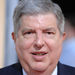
[(34, 7)]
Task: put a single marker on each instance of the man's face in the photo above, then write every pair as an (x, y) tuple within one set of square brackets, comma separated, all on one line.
[(39, 43)]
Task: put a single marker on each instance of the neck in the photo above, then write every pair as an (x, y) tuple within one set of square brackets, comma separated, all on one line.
[(39, 73), (46, 72)]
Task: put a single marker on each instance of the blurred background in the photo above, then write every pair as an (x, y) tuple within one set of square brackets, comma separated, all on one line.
[(7, 49)]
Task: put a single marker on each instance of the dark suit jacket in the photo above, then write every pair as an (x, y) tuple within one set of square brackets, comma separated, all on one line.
[(16, 69)]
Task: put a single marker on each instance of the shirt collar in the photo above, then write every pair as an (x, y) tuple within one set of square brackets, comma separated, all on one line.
[(54, 72)]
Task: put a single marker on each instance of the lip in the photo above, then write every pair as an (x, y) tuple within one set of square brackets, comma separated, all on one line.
[(36, 55)]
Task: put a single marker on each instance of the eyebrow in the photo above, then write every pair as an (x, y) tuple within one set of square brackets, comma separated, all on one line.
[(27, 29), (44, 29), (50, 29)]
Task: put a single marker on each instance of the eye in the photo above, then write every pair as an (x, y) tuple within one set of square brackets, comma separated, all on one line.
[(28, 33), (50, 33)]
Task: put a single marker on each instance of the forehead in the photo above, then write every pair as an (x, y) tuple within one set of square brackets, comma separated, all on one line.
[(40, 20)]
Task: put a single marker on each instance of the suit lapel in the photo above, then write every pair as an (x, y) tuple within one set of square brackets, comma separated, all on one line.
[(18, 69)]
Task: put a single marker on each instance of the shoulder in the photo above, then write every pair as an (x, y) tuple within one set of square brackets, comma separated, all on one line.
[(65, 69), (14, 69)]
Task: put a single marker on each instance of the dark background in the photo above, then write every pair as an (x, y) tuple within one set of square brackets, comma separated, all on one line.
[(68, 6)]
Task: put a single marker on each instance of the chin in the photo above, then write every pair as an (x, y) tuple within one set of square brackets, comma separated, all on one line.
[(40, 67)]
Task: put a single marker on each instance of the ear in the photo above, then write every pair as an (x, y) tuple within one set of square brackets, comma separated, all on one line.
[(13, 36), (64, 35)]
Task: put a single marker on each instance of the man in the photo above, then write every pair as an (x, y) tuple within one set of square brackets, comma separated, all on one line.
[(38, 36)]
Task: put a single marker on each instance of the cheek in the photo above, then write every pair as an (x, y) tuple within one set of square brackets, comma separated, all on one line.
[(50, 44), (22, 48), (25, 43), (55, 46)]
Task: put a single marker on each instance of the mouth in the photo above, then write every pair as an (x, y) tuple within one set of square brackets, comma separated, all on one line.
[(39, 56), (39, 53)]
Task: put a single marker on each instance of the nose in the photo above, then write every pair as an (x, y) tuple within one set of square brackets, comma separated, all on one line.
[(39, 42)]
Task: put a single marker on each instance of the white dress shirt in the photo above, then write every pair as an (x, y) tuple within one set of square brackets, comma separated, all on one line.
[(54, 72)]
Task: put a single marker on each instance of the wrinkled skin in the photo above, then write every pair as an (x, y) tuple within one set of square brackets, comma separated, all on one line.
[(38, 43)]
